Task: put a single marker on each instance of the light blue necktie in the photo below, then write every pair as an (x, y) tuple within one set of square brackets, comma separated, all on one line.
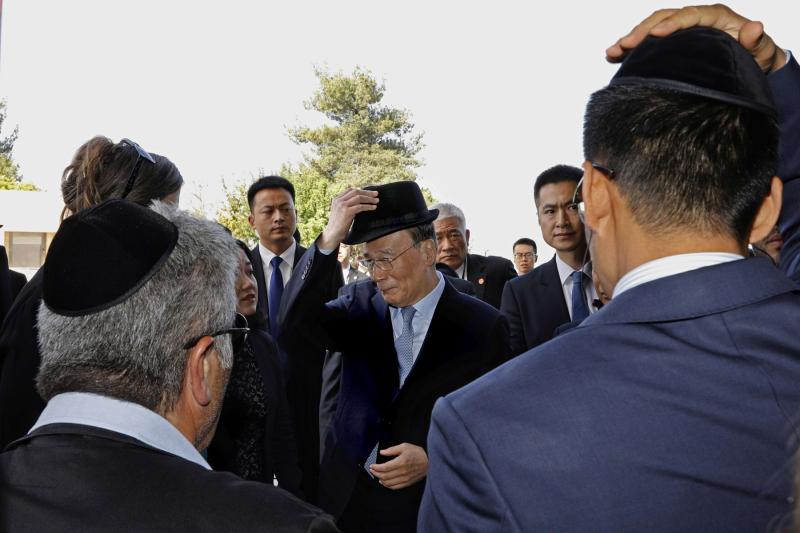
[(275, 294), (404, 346), (579, 308)]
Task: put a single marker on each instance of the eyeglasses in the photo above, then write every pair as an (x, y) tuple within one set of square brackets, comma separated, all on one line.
[(238, 334), (526, 255), (385, 263), (142, 155), (577, 199)]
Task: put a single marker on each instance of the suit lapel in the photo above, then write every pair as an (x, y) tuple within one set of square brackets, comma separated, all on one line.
[(553, 291), (476, 274), (261, 282), (385, 367), (431, 353)]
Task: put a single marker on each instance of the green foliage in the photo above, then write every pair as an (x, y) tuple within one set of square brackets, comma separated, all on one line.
[(363, 143), (233, 215), (10, 178)]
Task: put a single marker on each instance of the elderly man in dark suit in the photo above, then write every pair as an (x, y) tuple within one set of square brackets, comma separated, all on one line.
[(136, 332), (675, 407), (274, 218), (406, 338), (488, 274), (561, 290)]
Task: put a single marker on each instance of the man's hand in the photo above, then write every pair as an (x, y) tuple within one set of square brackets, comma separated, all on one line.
[(409, 466), (344, 209), (748, 33)]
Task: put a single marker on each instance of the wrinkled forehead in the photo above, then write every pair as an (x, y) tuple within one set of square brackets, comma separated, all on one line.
[(443, 225), (387, 245)]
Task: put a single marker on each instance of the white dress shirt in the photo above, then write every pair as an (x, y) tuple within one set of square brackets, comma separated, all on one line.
[(119, 416), (565, 275), (669, 266), (286, 266), (461, 271), (422, 317)]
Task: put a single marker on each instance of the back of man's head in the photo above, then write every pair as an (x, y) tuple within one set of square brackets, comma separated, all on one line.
[(687, 132), (133, 347), (683, 161)]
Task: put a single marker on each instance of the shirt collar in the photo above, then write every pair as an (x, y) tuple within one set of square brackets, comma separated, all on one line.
[(669, 266), (119, 416), (462, 270), (287, 255), (427, 305), (565, 271)]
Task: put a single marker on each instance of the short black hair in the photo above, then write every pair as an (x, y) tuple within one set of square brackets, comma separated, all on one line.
[(682, 160), (556, 174), (423, 232), (268, 182), (525, 240)]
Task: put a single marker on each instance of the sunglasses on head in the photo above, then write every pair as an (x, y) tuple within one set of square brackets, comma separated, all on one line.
[(142, 155)]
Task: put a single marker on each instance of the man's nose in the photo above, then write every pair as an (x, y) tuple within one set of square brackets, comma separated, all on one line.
[(561, 218)]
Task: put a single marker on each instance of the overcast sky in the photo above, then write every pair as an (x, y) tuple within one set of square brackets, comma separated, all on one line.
[(498, 88)]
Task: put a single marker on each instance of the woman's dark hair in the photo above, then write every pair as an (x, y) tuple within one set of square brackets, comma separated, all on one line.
[(245, 249), (101, 170)]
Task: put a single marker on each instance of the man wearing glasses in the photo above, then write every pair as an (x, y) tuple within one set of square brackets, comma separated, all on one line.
[(406, 338), (137, 334), (561, 290), (525, 257), (675, 407)]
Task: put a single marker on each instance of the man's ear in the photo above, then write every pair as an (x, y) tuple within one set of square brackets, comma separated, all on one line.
[(466, 237), (596, 196), (429, 252), (251, 220), (197, 380), (768, 212)]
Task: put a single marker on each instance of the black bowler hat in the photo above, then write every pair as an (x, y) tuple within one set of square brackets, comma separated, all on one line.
[(701, 61), (401, 205), (103, 255)]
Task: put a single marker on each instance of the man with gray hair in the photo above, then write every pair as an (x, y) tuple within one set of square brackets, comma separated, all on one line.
[(488, 273), (137, 333)]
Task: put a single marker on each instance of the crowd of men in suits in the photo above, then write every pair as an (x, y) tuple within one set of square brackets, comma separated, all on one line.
[(644, 378)]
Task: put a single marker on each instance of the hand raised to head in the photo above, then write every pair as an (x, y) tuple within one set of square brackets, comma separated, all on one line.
[(344, 209), (750, 34)]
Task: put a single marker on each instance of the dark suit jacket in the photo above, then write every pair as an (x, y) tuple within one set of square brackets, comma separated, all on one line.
[(672, 409), (20, 404), (302, 366), (489, 275), (465, 339), (354, 275), (332, 370), (11, 284), (786, 89), (279, 454), (534, 306), (66, 477), (258, 271)]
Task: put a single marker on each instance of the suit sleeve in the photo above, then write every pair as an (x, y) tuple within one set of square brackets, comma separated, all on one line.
[(509, 306), (786, 89), (511, 272), (310, 313), (460, 493)]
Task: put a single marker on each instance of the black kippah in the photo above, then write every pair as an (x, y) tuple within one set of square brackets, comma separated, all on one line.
[(701, 61), (102, 255)]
